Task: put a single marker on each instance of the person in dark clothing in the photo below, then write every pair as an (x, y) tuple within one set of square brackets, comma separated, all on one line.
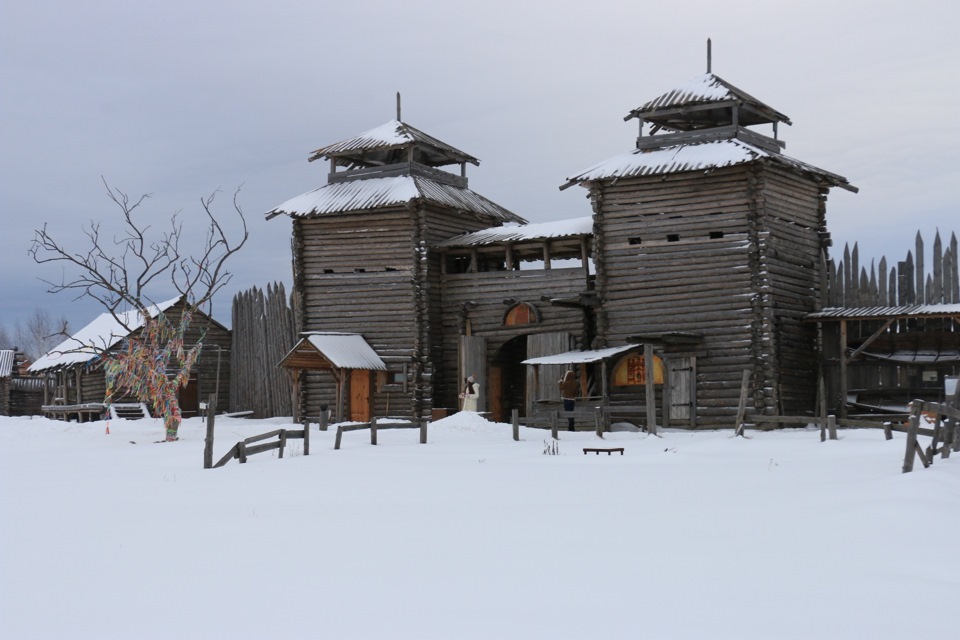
[(568, 393)]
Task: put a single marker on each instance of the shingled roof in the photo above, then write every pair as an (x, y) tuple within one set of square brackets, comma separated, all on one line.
[(385, 144)]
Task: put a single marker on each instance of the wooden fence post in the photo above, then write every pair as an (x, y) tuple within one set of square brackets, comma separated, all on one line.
[(242, 452), (283, 441), (742, 406), (832, 426), (208, 440), (306, 437), (598, 419), (324, 418), (423, 432), (373, 430), (554, 423), (912, 423), (336, 444), (515, 420), (650, 392)]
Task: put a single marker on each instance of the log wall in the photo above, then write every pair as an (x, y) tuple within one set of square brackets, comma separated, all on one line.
[(732, 255), (263, 332), (917, 279)]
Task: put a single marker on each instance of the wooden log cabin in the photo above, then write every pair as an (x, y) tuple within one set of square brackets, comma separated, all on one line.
[(79, 382), (706, 245)]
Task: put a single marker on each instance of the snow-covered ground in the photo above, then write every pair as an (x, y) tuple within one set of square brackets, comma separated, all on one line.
[(688, 535)]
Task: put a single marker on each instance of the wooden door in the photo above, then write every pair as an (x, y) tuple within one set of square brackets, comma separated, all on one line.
[(360, 401), (683, 391), (496, 393), (473, 362), (547, 387), (189, 399)]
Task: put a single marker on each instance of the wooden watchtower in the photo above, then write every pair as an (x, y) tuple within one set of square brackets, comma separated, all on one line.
[(707, 232), (362, 262)]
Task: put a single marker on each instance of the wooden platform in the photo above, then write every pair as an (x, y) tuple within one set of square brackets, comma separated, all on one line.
[(598, 451)]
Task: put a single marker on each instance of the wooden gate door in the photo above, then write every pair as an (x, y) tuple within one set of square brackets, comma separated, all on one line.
[(473, 362), (546, 344), (683, 389), (360, 404)]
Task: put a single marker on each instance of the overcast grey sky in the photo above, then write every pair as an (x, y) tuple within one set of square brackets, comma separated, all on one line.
[(179, 98)]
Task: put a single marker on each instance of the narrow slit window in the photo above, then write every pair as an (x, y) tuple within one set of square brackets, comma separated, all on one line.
[(635, 240), (716, 235), (673, 237)]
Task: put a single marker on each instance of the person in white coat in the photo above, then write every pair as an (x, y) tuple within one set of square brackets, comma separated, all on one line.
[(471, 391)]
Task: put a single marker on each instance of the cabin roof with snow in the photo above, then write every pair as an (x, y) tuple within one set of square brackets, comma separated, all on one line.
[(391, 143), (359, 195), (98, 336), (884, 313), (572, 228), (701, 156), (704, 102), (332, 350)]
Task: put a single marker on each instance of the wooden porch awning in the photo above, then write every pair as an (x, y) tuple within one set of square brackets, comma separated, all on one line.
[(582, 357), (329, 350)]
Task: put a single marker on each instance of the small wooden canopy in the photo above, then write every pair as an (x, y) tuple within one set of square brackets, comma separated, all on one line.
[(332, 351), (335, 352)]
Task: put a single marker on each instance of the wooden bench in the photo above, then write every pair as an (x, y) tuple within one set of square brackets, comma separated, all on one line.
[(607, 451)]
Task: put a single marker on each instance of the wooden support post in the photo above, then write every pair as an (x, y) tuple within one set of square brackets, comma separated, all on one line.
[(742, 406), (336, 443), (843, 369), (242, 452), (373, 430), (912, 424), (598, 420), (208, 440), (651, 397), (324, 418), (887, 431), (283, 442), (515, 420), (832, 426), (423, 432), (554, 424)]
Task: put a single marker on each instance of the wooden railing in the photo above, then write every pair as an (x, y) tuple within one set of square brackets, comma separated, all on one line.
[(945, 434), (376, 425)]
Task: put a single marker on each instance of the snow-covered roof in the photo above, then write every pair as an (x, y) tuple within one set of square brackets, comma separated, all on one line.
[(701, 156), (101, 334), (917, 356), (581, 357), (357, 195), (861, 313), (392, 135), (6, 363), (519, 233), (344, 350), (705, 89)]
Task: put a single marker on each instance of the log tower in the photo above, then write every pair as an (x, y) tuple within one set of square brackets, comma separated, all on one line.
[(361, 261), (707, 230)]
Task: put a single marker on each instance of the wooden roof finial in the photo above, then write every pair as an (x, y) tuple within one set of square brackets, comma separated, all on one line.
[(398, 107), (709, 57)]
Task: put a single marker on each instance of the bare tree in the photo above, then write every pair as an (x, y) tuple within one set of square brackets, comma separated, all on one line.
[(6, 339), (40, 334), (125, 273)]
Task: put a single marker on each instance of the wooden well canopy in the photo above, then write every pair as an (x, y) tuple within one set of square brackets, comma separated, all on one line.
[(336, 352)]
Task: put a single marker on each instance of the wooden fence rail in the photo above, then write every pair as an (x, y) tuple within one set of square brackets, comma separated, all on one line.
[(376, 425), (247, 446), (945, 435)]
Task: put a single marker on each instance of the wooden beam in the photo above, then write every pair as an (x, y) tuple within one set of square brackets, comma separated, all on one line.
[(876, 334), (843, 369)]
